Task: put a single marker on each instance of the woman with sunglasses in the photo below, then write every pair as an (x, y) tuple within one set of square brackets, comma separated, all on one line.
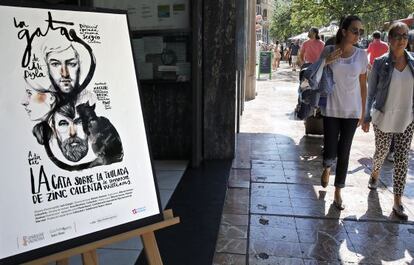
[(345, 106), (391, 96)]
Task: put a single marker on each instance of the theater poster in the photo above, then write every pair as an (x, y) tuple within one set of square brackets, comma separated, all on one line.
[(75, 163)]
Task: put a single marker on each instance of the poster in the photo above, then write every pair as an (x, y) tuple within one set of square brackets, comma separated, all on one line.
[(152, 14), (75, 160)]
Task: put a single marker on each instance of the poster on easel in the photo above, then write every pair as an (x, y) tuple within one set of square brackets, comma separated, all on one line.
[(152, 14), (75, 160)]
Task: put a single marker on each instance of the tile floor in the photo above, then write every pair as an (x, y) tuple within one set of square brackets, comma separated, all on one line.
[(276, 212)]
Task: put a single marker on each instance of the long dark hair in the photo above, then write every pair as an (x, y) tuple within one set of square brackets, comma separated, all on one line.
[(345, 23), (316, 31)]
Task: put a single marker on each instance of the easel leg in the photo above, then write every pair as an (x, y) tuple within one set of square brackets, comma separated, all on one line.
[(151, 249), (90, 258)]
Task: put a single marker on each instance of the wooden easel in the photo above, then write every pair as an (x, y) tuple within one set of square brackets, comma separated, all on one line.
[(88, 251)]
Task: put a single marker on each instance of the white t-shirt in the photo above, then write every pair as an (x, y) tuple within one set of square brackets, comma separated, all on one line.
[(345, 101), (398, 108)]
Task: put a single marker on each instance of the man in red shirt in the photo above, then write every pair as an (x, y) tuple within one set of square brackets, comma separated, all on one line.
[(376, 48)]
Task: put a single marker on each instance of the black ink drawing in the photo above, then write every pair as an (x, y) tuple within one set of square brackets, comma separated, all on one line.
[(105, 140), (65, 111)]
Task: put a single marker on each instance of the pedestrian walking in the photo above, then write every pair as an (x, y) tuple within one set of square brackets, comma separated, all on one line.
[(282, 52), (311, 49), (276, 56), (294, 50), (391, 96), (345, 105), (376, 48)]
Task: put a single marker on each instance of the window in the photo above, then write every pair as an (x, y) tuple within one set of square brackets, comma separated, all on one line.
[(258, 10), (264, 14)]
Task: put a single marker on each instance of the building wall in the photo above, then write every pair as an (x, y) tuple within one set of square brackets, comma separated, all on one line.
[(265, 8)]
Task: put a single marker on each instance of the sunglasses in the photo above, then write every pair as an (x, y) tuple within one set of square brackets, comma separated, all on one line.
[(399, 37), (357, 31)]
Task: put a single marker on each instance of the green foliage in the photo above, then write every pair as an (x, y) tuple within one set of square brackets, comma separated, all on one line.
[(294, 16), (280, 27)]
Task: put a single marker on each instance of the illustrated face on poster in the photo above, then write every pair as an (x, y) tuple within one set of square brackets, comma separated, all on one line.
[(77, 146), (68, 116)]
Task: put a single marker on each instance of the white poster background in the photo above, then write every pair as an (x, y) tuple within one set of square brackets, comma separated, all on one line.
[(115, 67)]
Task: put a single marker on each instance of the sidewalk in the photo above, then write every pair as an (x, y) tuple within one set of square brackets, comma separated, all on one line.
[(276, 212)]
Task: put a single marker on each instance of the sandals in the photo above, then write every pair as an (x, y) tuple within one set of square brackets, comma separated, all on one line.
[(325, 177), (399, 211), (339, 205), (373, 181)]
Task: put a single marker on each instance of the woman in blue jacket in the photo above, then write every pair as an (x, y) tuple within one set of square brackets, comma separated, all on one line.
[(391, 94)]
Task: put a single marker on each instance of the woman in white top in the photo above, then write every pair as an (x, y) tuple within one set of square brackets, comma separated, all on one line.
[(345, 106), (391, 94)]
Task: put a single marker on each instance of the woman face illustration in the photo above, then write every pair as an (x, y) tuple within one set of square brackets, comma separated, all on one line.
[(37, 104)]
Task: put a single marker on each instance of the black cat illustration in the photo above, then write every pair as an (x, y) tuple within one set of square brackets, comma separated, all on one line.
[(104, 139)]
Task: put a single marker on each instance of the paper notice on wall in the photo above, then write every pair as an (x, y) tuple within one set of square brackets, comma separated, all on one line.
[(180, 13), (139, 51), (153, 45), (167, 68), (152, 14), (164, 13)]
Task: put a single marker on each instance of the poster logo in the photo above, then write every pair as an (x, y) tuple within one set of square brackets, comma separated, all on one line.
[(27, 240), (139, 210)]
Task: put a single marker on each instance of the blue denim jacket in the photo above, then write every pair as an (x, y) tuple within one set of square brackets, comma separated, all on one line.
[(379, 82), (323, 87)]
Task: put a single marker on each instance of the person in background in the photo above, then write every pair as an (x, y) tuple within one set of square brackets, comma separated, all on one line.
[(311, 49), (276, 56), (288, 56), (410, 44), (376, 48), (391, 95), (330, 41), (294, 50), (345, 106)]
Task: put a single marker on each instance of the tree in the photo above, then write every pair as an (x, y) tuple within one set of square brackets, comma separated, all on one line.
[(374, 13), (291, 17), (280, 26)]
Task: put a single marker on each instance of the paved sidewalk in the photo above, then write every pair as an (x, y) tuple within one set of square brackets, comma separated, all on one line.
[(276, 212)]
